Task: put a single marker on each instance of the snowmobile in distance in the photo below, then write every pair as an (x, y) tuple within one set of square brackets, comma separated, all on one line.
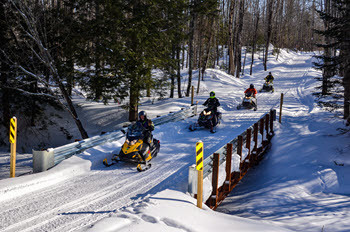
[(207, 119), (134, 150), (249, 102), (267, 87)]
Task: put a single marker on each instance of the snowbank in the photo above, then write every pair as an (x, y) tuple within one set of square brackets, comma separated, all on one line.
[(175, 211)]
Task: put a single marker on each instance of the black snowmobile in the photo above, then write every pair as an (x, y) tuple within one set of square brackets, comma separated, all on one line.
[(249, 102), (207, 119), (267, 87), (134, 150)]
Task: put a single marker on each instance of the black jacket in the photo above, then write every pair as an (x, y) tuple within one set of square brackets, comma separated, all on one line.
[(212, 103), (147, 124), (269, 78)]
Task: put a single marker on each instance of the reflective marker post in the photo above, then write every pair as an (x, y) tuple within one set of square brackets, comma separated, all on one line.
[(13, 140), (199, 167)]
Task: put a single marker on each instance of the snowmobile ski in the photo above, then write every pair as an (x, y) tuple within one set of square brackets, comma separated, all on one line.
[(143, 167), (105, 162)]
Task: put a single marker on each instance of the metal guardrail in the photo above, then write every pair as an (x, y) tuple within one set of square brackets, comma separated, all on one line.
[(42, 163)]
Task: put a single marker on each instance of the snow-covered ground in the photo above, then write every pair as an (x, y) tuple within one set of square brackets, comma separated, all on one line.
[(296, 187)]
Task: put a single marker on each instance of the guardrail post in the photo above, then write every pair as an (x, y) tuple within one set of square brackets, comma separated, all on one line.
[(248, 144), (227, 185), (215, 180), (43, 160)]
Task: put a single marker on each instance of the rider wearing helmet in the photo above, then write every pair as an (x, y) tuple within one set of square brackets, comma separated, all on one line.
[(148, 125), (269, 78), (212, 102), (251, 90)]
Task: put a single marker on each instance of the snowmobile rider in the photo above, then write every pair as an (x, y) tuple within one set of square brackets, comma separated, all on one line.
[(148, 125), (269, 78), (212, 102), (253, 92)]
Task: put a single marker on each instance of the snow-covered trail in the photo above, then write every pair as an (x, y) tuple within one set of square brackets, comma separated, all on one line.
[(294, 187), (85, 199)]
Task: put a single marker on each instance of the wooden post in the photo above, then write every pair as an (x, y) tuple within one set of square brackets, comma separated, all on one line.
[(13, 141), (215, 181), (271, 122), (192, 94), (255, 138), (227, 185), (267, 121), (261, 127), (239, 150), (248, 143), (281, 103), (199, 167)]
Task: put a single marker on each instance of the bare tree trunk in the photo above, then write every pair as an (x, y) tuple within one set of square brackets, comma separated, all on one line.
[(172, 77), (133, 105), (245, 57), (207, 53), (346, 84), (97, 76), (178, 74), (346, 78), (43, 54), (231, 66), (255, 37), (327, 74), (71, 107), (190, 48), (238, 45), (268, 30), (200, 60), (182, 57)]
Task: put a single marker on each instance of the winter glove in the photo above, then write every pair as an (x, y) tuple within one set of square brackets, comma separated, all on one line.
[(149, 123)]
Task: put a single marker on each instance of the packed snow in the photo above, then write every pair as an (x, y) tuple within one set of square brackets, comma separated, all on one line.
[(300, 185)]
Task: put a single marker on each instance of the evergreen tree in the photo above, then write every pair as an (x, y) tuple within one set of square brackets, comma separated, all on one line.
[(338, 29)]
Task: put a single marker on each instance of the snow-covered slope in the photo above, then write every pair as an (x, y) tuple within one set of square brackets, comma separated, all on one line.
[(80, 191)]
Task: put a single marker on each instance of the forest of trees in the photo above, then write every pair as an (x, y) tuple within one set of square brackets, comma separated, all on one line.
[(110, 47)]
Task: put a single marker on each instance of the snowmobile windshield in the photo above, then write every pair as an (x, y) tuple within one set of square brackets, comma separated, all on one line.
[(135, 132)]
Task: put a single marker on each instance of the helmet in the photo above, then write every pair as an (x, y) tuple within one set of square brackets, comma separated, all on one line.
[(270, 73), (212, 94), (142, 113), (251, 86)]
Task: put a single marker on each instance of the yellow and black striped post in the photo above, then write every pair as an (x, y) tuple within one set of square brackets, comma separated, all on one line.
[(199, 167), (13, 140)]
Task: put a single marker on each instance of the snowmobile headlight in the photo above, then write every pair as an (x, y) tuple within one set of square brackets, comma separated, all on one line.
[(133, 142), (207, 113), (127, 141)]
